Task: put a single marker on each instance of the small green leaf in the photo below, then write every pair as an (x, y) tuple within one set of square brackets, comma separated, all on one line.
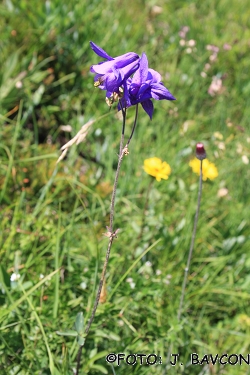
[(38, 94), (69, 332), (100, 368), (80, 340), (4, 277), (79, 323)]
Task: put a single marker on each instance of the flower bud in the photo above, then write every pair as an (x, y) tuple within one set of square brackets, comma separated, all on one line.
[(200, 151)]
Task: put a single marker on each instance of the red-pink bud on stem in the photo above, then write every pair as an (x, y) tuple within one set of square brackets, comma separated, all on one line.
[(200, 151)]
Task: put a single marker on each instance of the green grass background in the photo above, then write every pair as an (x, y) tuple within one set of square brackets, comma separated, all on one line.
[(54, 217)]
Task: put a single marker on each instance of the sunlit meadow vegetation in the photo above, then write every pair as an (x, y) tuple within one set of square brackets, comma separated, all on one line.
[(53, 216)]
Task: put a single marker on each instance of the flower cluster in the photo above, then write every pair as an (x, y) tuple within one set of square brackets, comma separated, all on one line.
[(129, 79), (157, 168)]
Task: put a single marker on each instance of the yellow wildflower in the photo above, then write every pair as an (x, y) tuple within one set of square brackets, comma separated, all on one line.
[(209, 170), (157, 168)]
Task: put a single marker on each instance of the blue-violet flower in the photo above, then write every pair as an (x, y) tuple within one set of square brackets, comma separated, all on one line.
[(145, 84), (111, 74)]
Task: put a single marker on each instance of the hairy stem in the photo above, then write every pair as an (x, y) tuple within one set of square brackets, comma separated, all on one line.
[(111, 235), (112, 206), (78, 360)]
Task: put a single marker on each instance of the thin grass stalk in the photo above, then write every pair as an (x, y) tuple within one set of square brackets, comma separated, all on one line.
[(184, 284), (145, 209), (191, 246)]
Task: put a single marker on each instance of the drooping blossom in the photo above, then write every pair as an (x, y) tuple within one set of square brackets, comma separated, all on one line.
[(111, 74), (145, 85), (157, 168)]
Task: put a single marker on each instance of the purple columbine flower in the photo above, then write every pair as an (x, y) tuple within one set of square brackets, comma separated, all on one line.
[(111, 74), (145, 84)]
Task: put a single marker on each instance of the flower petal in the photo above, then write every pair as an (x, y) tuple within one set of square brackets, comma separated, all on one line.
[(160, 92), (128, 70), (105, 67), (113, 81), (126, 59), (153, 76), (129, 61), (99, 51), (142, 73), (92, 69), (148, 107), (143, 67), (144, 92)]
